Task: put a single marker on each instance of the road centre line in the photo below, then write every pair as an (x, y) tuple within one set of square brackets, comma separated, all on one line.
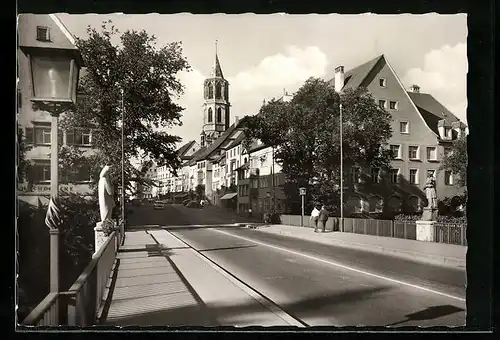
[(343, 266)]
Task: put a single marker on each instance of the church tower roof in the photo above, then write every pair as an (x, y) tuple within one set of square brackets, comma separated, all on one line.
[(217, 70)]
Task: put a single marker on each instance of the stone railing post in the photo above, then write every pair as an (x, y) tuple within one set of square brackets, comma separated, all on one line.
[(100, 236)]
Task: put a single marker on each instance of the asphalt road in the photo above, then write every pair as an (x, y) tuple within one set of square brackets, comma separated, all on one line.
[(322, 284)]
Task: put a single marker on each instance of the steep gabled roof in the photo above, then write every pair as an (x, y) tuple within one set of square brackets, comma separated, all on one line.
[(183, 149), (354, 77), (208, 151), (60, 37), (237, 141), (432, 110)]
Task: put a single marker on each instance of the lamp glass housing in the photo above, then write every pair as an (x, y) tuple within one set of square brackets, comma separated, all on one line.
[(54, 78)]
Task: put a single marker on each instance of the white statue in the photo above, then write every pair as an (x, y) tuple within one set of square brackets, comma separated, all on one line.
[(106, 201)]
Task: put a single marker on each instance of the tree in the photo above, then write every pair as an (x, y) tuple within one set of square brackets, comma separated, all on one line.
[(148, 76), (456, 161), (305, 135)]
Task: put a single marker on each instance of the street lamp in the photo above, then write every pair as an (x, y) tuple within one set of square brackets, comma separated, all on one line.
[(341, 177), (54, 74)]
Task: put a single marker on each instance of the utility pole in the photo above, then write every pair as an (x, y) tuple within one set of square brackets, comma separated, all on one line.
[(341, 177), (274, 191), (123, 160)]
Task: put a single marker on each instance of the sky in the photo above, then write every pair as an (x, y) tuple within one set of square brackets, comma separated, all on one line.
[(264, 55)]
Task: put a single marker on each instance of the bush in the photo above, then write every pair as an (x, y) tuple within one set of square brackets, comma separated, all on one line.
[(408, 217), (272, 217), (79, 217), (452, 219)]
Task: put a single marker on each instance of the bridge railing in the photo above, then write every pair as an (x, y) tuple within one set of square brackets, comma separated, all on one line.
[(83, 302), (451, 233)]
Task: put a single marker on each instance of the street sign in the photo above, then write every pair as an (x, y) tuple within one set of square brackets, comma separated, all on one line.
[(302, 191)]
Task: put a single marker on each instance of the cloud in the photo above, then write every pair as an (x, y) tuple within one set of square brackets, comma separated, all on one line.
[(279, 70), (248, 88), (444, 75)]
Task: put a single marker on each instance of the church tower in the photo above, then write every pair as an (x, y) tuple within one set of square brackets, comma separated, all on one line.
[(216, 106)]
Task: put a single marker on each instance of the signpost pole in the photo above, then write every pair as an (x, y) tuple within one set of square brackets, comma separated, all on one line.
[(302, 192)]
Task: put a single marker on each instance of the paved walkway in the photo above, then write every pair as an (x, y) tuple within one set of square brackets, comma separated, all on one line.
[(163, 282), (429, 252)]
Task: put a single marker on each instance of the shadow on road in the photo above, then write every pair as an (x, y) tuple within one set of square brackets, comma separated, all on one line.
[(244, 313), (430, 313)]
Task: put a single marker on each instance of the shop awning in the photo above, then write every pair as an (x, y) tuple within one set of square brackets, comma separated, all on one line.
[(229, 196)]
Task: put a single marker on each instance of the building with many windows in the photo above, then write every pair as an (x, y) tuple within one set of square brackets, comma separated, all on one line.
[(423, 130), (45, 31)]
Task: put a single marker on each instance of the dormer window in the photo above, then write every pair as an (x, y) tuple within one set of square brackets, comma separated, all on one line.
[(42, 33)]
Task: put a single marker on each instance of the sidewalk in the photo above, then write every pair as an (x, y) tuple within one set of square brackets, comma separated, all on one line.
[(448, 255), (161, 281)]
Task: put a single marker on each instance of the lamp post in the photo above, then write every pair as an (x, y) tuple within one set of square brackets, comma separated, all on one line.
[(341, 177), (54, 74), (123, 159)]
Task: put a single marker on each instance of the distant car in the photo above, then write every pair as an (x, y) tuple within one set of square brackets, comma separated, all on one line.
[(158, 205), (193, 204)]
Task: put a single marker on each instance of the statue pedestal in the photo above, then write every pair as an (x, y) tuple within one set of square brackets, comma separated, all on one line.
[(99, 237), (425, 231), (429, 214)]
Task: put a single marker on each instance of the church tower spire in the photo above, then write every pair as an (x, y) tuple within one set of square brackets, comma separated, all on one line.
[(216, 115)]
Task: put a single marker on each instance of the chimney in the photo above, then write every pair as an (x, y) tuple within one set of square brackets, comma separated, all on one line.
[(415, 89), (236, 120), (339, 78)]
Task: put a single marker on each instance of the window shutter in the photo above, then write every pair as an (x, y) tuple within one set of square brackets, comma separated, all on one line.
[(30, 135)]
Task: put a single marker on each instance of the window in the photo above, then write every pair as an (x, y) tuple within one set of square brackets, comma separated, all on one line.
[(264, 182), (41, 171), (414, 176), (404, 127), (447, 132), (448, 178), (396, 151), (78, 137), (432, 153), (413, 152), (354, 174), (354, 204), (210, 91), (393, 105), (42, 33), (375, 172), (382, 82), (210, 115), (382, 103), (81, 174), (413, 204), (376, 204), (42, 134), (219, 115), (394, 175), (394, 204), (218, 91)]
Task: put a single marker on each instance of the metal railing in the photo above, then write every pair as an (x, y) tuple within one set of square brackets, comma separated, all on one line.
[(83, 302), (451, 233)]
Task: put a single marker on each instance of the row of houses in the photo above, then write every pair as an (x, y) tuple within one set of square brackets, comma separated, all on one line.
[(251, 181)]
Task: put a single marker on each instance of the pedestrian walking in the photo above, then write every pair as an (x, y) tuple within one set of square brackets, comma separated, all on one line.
[(323, 217), (314, 217)]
